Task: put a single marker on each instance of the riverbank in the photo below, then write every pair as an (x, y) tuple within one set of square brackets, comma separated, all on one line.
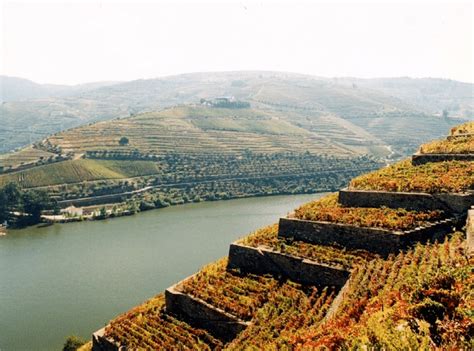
[(123, 209), (95, 270)]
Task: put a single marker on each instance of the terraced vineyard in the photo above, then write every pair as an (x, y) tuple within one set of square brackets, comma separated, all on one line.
[(148, 327), (197, 130), (328, 209), (174, 179), (28, 155), (288, 310), (466, 128), (461, 141), (76, 171), (362, 115), (332, 255), (437, 177), (458, 145), (241, 296), (415, 300), (417, 297)]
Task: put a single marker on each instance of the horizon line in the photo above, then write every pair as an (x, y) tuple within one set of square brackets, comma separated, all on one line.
[(165, 76)]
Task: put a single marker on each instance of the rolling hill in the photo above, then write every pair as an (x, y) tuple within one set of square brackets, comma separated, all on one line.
[(372, 110)]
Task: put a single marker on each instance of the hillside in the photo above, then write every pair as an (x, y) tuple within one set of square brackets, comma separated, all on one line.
[(316, 104), (383, 264), (212, 152), (200, 129)]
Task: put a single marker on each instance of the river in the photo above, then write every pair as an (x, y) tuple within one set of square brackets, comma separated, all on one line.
[(73, 278)]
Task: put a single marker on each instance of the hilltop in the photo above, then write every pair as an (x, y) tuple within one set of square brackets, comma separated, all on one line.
[(376, 109)]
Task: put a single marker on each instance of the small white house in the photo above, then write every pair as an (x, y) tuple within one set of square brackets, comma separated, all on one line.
[(72, 211)]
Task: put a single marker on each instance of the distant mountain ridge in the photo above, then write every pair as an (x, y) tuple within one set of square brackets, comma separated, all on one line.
[(373, 108), (19, 89)]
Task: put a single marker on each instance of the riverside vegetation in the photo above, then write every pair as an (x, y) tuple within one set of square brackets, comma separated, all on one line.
[(178, 179), (23, 207)]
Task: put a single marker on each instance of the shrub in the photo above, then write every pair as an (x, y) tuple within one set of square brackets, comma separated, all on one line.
[(73, 343)]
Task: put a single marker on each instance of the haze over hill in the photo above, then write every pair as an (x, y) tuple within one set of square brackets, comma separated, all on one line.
[(18, 89), (364, 111)]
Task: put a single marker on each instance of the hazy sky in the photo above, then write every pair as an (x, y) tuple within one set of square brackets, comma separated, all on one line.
[(58, 42)]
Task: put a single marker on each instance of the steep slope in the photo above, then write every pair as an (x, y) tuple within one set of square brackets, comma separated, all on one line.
[(385, 274)]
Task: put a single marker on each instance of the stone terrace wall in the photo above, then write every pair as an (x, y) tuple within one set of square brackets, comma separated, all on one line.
[(381, 241), (450, 202), (101, 343), (200, 314), (420, 159), (265, 261)]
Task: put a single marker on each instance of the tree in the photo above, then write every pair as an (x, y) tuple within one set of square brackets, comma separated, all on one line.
[(123, 141), (103, 212), (10, 200), (35, 201)]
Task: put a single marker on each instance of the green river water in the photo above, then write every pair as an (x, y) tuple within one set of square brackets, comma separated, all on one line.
[(72, 278)]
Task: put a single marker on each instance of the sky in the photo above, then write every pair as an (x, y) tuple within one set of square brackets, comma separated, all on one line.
[(66, 42)]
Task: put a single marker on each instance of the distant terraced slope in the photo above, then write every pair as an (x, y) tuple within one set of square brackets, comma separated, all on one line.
[(199, 129), (75, 171)]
